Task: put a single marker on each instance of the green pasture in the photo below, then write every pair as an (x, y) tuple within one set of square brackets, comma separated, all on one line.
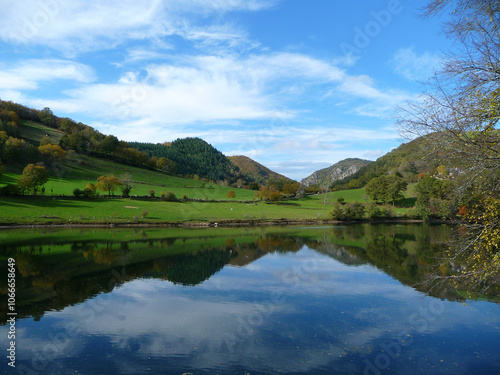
[(48, 210), (35, 132), (41, 210), (82, 169)]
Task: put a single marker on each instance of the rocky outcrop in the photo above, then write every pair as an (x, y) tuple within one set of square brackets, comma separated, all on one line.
[(345, 168)]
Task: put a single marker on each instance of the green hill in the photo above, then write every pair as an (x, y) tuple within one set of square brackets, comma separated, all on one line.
[(86, 154), (193, 156), (257, 171), (409, 159)]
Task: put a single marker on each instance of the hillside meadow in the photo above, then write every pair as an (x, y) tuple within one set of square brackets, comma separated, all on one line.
[(53, 210), (202, 201)]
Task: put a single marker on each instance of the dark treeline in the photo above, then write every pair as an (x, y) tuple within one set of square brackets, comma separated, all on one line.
[(194, 157)]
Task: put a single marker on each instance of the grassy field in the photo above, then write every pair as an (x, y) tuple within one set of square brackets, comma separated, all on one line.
[(80, 169), (34, 132), (143, 182), (128, 210), (47, 210)]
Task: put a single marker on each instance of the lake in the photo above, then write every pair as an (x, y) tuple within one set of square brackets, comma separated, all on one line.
[(277, 300)]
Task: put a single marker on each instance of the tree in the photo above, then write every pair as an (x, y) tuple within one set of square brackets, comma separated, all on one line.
[(231, 194), (291, 188), (109, 144), (354, 211), (270, 193), (47, 117), (32, 178), (127, 184), (395, 186), (169, 197), (459, 116), (52, 151), (460, 113), (386, 188), (253, 186), (166, 165), (376, 189), (278, 182), (90, 190), (45, 141), (108, 184)]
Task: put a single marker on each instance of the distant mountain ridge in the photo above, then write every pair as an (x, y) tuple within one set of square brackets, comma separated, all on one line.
[(338, 171), (260, 173)]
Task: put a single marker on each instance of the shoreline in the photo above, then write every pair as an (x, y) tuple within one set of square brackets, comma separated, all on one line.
[(216, 224)]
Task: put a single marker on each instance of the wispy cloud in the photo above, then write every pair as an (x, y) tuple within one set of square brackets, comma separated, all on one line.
[(75, 26), (413, 66), (192, 88), (28, 74)]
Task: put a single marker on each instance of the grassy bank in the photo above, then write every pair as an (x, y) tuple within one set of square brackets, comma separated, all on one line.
[(52, 210)]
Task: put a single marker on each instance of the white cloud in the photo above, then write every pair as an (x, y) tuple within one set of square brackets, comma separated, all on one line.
[(29, 73), (202, 88), (74, 26), (410, 65)]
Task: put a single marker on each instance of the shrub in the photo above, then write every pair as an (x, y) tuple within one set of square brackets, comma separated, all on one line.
[(78, 192), (10, 189), (354, 211), (337, 212), (151, 193), (253, 186), (387, 211), (88, 193), (373, 211), (170, 197)]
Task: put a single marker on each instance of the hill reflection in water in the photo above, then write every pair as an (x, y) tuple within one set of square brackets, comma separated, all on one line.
[(256, 300)]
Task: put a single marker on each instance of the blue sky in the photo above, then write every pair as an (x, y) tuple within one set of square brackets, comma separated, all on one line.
[(295, 85)]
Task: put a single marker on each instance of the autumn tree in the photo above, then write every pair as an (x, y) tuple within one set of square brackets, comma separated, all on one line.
[(270, 193), (108, 184), (291, 188), (45, 141), (166, 165), (459, 116), (231, 194), (51, 151), (32, 178)]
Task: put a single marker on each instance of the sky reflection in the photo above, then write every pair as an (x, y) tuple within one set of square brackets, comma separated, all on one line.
[(301, 312)]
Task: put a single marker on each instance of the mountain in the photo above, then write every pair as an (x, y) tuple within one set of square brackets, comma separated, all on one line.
[(326, 176), (409, 160), (193, 156), (256, 170)]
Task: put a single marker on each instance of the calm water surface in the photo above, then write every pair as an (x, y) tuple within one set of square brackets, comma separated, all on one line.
[(324, 300)]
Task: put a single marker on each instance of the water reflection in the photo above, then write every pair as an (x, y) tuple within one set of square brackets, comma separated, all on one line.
[(275, 300)]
